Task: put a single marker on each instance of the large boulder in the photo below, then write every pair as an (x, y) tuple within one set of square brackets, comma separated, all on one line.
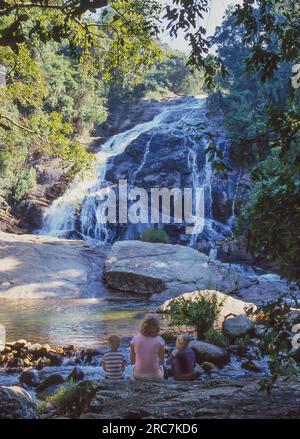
[(206, 352), (16, 403), (237, 326), (230, 305), (148, 268)]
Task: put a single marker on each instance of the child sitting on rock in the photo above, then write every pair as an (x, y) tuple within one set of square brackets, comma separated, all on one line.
[(114, 362), (183, 361)]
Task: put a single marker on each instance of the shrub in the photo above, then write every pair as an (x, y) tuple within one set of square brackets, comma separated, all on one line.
[(155, 235), (65, 399), (26, 181), (216, 337), (201, 312)]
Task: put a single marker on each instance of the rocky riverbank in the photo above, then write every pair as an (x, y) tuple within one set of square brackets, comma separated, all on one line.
[(219, 398), (66, 381)]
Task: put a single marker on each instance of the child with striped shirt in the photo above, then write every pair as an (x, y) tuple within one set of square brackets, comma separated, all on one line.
[(114, 361)]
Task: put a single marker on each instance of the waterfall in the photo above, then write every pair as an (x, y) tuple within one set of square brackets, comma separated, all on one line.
[(60, 217), (77, 209)]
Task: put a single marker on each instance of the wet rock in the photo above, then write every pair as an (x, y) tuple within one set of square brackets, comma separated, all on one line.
[(30, 378), (237, 327), (206, 352), (36, 347), (77, 374), (6, 350), (40, 363), (16, 403), (208, 367), (15, 362), (55, 359), (18, 344), (52, 380)]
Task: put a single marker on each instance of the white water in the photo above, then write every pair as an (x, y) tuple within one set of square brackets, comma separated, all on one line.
[(80, 200), (60, 217)]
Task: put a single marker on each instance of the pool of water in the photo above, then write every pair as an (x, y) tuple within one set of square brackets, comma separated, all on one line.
[(80, 322)]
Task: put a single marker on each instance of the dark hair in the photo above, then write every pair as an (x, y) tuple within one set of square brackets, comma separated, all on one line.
[(150, 327)]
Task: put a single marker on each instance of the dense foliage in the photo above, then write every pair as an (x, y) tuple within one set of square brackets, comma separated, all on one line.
[(259, 47), (66, 69), (278, 339), (200, 313)]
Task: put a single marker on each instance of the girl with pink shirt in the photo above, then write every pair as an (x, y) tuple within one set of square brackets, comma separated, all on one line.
[(147, 351)]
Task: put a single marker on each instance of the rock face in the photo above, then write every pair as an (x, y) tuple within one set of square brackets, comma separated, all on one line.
[(35, 267), (217, 398), (164, 151), (237, 327), (149, 268), (230, 306), (206, 352), (16, 403)]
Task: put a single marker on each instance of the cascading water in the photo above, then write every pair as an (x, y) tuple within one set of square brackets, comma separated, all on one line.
[(60, 217), (78, 209)]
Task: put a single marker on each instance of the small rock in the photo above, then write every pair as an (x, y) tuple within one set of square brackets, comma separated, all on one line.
[(6, 350), (209, 352), (237, 326), (97, 403), (35, 347), (15, 362), (55, 359), (40, 363), (252, 365), (208, 367), (19, 344)]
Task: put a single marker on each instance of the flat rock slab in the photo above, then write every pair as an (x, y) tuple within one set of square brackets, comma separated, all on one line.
[(219, 398), (166, 271), (39, 267), (149, 268)]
